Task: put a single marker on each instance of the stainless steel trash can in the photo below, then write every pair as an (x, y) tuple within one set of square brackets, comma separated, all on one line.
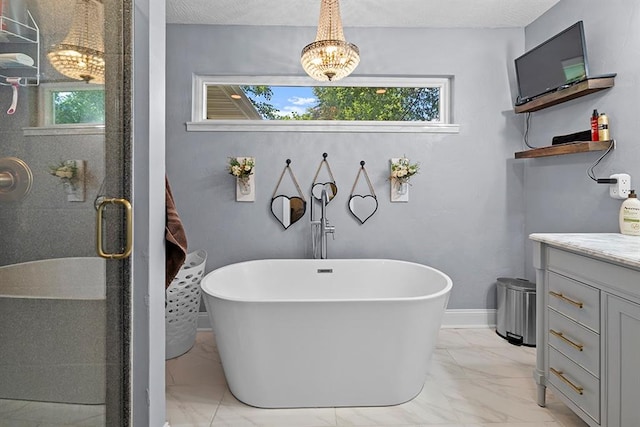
[(516, 311)]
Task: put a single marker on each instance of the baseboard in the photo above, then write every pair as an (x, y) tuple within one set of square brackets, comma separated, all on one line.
[(203, 321), (469, 318), (452, 319)]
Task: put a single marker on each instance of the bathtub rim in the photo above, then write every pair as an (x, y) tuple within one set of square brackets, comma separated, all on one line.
[(439, 294), (79, 292)]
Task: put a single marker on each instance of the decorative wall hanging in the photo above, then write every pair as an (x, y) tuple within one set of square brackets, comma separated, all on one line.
[(363, 206), (243, 169), (401, 172), (330, 185), (288, 209), (71, 173)]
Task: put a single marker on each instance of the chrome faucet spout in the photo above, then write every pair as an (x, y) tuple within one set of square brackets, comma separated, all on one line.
[(321, 228), (325, 228)]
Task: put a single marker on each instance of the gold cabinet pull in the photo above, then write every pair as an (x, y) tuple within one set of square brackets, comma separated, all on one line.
[(565, 299), (128, 233), (573, 344), (574, 387)]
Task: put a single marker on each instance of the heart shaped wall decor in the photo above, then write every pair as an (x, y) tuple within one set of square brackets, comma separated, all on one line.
[(363, 207), (288, 210)]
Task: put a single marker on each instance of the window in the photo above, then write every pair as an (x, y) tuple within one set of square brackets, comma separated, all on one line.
[(77, 106), (417, 104), (69, 107)]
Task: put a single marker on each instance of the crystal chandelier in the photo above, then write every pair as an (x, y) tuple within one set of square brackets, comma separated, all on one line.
[(81, 53), (330, 57)]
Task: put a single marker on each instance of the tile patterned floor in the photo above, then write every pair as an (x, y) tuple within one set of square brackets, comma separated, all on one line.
[(477, 379)]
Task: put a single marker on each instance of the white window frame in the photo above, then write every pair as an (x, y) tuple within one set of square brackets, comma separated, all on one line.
[(45, 112), (199, 122)]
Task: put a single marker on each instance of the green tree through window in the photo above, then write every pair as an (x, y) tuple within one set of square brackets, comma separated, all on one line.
[(78, 106), (355, 103)]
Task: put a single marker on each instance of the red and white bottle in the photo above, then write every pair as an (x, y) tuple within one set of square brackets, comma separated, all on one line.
[(594, 126)]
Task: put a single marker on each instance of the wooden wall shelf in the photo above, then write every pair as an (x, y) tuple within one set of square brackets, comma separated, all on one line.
[(558, 150), (576, 91)]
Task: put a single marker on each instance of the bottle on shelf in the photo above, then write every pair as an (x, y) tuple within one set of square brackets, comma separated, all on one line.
[(603, 127), (594, 125)]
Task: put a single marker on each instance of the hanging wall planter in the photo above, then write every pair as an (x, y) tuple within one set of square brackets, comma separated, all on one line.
[(71, 173), (243, 169)]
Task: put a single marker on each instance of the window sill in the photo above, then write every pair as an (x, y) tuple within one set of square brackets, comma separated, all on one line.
[(64, 130), (320, 126)]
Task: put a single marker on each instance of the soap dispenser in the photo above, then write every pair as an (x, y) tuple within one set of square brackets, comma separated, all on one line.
[(630, 215)]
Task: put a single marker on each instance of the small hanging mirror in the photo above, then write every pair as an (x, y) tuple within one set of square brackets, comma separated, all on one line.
[(363, 206), (329, 185), (288, 209)]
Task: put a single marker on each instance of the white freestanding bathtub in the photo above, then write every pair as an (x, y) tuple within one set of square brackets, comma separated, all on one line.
[(325, 333), (52, 333)]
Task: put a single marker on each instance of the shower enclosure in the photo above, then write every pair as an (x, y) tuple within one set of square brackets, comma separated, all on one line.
[(64, 203)]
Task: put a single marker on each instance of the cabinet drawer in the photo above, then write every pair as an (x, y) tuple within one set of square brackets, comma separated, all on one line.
[(596, 272), (578, 343), (575, 383), (575, 300)]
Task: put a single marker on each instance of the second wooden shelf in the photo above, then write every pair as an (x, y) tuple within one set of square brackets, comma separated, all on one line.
[(557, 150)]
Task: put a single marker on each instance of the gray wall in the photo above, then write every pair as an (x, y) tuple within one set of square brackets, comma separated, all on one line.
[(465, 215), (559, 197)]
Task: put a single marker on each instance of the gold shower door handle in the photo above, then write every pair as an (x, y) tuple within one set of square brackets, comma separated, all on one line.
[(129, 228)]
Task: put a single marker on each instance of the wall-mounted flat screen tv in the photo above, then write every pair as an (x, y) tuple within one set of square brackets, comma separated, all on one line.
[(554, 64)]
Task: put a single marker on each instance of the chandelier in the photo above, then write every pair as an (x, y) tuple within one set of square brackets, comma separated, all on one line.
[(330, 57), (81, 53)]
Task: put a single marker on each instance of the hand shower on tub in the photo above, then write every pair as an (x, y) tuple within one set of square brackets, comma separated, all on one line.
[(15, 83)]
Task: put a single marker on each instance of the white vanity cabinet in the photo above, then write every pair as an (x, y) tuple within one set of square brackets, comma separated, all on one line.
[(588, 325)]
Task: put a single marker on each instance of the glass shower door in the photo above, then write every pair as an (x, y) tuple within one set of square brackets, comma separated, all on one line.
[(65, 224)]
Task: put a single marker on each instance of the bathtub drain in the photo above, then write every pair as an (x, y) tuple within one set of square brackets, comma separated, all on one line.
[(325, 270)]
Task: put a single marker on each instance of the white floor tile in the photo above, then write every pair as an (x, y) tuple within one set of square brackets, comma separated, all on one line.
[(477, 379), (500, 400), (200, 365), (491, 362), (444, 366), (192, 405), (233, 413), (430, 407)]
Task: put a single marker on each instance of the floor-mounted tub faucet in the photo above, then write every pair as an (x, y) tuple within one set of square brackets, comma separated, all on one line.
[(321, 228)]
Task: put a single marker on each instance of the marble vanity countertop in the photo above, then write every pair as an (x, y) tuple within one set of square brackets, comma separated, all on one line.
[(614, 247)]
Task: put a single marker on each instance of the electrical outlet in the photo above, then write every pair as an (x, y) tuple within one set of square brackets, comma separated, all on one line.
[(620, 190)]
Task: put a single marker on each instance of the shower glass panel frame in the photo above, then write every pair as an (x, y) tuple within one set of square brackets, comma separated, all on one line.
[(46, 226)]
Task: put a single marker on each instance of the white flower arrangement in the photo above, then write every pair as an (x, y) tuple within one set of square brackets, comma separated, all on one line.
[(241, 169), (67, 171), (402, 170)]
